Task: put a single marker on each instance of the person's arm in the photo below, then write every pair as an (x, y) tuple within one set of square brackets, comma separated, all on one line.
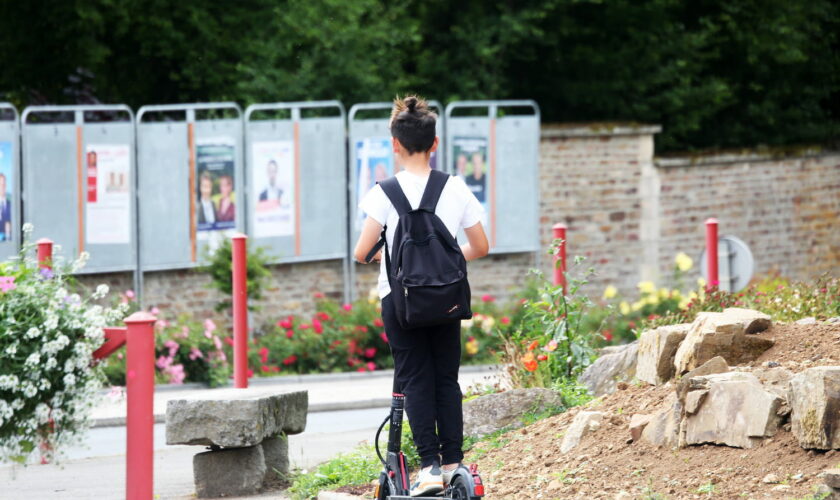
[(477, 246), (367, 239)]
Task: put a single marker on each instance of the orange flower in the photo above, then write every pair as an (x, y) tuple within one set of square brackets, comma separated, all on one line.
[(534, 345), (531, 366), (529, 361)]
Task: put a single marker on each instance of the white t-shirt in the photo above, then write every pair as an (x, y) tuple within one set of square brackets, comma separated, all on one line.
[(457, 208)]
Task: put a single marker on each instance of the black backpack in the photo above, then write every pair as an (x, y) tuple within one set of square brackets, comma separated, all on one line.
[(427, 271)]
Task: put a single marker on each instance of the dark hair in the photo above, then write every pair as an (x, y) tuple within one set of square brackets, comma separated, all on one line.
[(413, 124)]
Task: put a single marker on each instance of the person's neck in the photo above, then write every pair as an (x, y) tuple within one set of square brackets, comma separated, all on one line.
[(417, 165)]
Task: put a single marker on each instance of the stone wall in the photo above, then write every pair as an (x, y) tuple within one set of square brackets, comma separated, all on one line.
[(626, 212)]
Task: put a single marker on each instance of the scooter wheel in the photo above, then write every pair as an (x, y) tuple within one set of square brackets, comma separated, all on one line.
[(383, 490), (458, 489)]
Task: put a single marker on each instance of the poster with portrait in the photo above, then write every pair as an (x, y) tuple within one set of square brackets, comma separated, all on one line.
[(108, 207), (469, 157), (273, 174), (6, 191), (374, 163), (215, 205)]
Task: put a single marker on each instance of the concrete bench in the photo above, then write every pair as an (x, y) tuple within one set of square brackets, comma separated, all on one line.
[(246, 431)]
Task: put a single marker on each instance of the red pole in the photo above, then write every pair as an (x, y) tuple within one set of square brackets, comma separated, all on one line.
[(560, 268), (240, 312), (45, 249), (140, 420), (712, 251)]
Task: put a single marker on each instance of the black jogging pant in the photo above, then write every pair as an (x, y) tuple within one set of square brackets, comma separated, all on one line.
[(426, 362)]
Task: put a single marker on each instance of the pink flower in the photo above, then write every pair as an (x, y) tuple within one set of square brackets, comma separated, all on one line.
[(347, 307), (7, 283), (229, 341), (370, 352), (377, 322), (116, 393), (120, 355), (195, 353), (487, 298), (317, 326), (185, 332), (264, 354), (209, 325), (208, 334), (250, 373), (217, 342), (505, 320), (384, 337), (289, 333), (129, 294), (361, 369), (177, 374), (172, 346), (154, 310), (289, 360), (304, 326), (265, 368), (163, 362), (318, 295), (323, 316), (285, 324), (371, 366)]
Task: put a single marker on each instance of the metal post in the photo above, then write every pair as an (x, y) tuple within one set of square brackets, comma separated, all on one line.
[(45, 250), (712, 251), (140, 420), (240, 312), (560, 256)]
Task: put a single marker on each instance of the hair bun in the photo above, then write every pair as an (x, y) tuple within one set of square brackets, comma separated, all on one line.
[(411, 103)]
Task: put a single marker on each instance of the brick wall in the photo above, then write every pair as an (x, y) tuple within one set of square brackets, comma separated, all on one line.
[(627, 213)]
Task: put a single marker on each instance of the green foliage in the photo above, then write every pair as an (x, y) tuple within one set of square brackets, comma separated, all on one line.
[(220, 267), (714, 74)]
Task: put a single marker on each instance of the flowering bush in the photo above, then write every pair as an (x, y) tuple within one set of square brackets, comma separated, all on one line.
[(47, 337), (483, 336)]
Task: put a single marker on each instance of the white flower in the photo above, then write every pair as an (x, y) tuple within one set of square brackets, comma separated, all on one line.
[(51, 363), (69, 380), (28, 227), (44, 385), (101, 291), (51, 322), (61, 293), (42, 413), (11, 350), (8, 382), (33, 359), (33, 332), (17, 404)]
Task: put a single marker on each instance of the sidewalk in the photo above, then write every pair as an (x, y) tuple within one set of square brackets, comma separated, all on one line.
[(327, 392)]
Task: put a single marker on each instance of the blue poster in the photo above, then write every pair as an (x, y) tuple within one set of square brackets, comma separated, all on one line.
[(374, 163), (6, 189)]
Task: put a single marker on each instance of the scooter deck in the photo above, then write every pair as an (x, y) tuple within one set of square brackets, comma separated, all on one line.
[(401, 497)]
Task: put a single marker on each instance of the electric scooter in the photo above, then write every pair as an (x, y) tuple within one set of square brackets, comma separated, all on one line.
[(394, 481)]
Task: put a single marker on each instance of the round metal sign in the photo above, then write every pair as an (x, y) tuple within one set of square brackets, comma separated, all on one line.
[(735, 264)]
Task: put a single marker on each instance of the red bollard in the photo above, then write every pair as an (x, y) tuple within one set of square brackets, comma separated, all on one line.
[(712, 251), (45, 250), (240, 312), (140, 419), (560, 268)]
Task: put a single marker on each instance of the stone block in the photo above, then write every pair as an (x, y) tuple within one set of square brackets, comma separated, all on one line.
[(832, 478), (619, 364), (638, 422), (229, 472), (710, 367), (723, 334), (663, 428), (487, 414), (235, 417), (583, 423), (276, 453), (736, 411), (657, 348), (814, 400)]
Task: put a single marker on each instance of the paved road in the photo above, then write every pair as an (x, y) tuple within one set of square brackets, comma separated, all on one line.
[(96, 470)]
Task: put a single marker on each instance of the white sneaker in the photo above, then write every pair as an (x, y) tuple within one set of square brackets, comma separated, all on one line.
[(446, 475), (429, 482)]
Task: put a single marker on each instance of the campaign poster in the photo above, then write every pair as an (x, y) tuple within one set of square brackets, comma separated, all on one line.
[(108, 207), (6, 190), (469, 157), (215, 207), (273, 188), (374, 163)]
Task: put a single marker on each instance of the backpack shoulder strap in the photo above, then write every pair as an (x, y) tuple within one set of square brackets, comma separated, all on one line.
[(434, 187), (392, 189)]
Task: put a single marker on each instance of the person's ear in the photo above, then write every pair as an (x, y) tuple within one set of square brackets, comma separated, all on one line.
[(434, 145), (396, 144)]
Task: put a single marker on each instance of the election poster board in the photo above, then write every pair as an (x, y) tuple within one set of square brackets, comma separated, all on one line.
[(374, 163), (6, 190), (273, 188), (108, 203), (469, 162), (215, 207)]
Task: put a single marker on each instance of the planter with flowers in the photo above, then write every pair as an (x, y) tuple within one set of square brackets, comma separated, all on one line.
[(48, 382)]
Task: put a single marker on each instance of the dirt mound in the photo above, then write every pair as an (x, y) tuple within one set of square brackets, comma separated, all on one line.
[(528, 463)]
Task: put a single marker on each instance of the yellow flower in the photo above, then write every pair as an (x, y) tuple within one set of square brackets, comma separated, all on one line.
[(624, 307), (610, 292), (466, 323), (637, 305), (684, 262), (373, 296), (684, 302), (701, 282), (472, 347), (488, 324), (647, 287), (663, 293)]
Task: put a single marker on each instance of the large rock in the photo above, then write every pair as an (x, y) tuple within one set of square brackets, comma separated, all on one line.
[(723, 334), (229, 472), (775, 380), (732, 409), (276, 453), (616, 365), (710, 367), (487, 414), (814, 400), (638, 422), (663, 428), (235, 417), (657, 348), (583, 423)]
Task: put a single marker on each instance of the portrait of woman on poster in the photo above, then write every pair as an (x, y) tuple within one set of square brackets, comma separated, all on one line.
[(227, 210)]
